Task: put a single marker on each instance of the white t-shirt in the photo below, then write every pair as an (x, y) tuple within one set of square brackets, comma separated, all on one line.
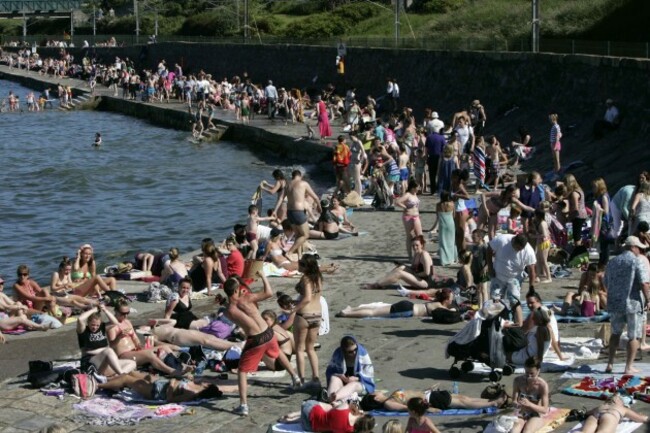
[(508, 263)]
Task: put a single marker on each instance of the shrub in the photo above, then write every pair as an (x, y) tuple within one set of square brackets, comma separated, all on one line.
[(317, 26), (211, 23), (436, 6)]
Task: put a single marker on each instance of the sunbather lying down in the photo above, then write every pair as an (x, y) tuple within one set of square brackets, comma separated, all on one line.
[(444, 298), (438, 400), (163, 330), (606, 417), (153, 387)]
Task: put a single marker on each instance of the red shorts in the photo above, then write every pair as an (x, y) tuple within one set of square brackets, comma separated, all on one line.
[(256, 347)]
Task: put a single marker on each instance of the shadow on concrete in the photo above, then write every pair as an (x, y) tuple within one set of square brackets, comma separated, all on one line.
[(441, 374)]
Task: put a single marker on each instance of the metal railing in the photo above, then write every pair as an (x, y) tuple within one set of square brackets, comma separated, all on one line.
[(496, 44)]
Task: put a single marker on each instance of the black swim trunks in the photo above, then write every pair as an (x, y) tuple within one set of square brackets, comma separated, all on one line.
[(402, 309), (297, 217), (440, 399)]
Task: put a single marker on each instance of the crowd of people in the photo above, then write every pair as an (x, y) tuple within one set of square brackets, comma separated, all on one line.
[(497, 231)]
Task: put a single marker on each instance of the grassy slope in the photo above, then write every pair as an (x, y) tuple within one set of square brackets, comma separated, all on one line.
[(497, 18)]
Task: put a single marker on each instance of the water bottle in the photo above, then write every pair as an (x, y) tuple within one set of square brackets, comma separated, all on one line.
[(454, 387)]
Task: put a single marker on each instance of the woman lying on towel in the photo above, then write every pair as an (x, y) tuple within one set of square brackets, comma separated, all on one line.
[(322, 417), (419, 274), (531, 397), (438, 400), (444, 298), (606, 417), (152, 387), (165, 331)]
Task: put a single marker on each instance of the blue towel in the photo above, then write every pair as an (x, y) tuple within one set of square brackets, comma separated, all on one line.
[(448, 412), (602, 317)]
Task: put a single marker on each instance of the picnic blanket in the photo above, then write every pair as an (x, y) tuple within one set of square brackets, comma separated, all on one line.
[(598, 371), (602, 389), (553, 419), (623, 427), (448, 412), (111, 411)]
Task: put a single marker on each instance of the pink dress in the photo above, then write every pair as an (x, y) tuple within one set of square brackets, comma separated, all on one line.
[(323, 121)]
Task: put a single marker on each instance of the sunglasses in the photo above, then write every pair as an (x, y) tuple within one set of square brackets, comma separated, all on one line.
[(351, 351), (122, 313), (23, 275)]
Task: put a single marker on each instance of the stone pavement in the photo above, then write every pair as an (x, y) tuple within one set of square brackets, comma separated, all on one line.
[(407, 353)]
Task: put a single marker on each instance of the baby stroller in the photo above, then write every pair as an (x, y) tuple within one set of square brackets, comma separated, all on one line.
[(481, 340)]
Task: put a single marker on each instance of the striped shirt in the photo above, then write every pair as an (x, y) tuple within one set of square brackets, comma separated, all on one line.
[(555, 133)]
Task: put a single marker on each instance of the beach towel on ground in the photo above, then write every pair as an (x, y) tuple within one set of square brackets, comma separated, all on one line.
[(603, 316), (602, 389), (623, 427), (598, 371), (270, 270), (130, 396), (448, 412), (553, 419), (110, 411), (282, 427)]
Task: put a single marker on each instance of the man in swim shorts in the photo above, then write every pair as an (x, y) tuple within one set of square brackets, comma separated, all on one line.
[(242, 310), (297, 191)]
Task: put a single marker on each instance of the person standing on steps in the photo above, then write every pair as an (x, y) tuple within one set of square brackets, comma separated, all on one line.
[(554, 141), (297, 191), (628, 284), (271, 95)]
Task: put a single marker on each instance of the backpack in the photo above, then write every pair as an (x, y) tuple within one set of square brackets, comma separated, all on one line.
[(83, 385), (157, 292), (444, 316)]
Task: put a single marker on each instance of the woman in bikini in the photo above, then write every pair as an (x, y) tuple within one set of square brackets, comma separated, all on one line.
[(461, 214), (284, 337), (14, 314), (61, 286), (493, 202), (531, 398), (174, 269), (308, 315), (410, 203), (419, 274), (153, 387), (165, 331), (280, 208), (126, 343), (275, 252), (34, 297), (345, 226), (577, 210), (209, 272), (84, 275), (438, 400), (179, 308), (444, 298), (606, 417)]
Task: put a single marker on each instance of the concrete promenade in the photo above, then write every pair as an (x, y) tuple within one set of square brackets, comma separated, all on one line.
[(407, 353)]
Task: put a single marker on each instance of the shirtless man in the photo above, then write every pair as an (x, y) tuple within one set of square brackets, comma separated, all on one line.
[(260, 341), (296, 191)]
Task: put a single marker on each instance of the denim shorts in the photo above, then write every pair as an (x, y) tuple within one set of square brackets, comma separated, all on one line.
[(634, 322), (305, 410), (508, 290)]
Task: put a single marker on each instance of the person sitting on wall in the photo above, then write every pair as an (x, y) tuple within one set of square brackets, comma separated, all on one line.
[(610, 121)]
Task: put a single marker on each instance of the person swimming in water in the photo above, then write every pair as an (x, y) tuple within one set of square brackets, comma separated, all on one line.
[(98, 140)]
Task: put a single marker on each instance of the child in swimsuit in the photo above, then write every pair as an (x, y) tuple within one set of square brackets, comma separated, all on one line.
[(418, 421)]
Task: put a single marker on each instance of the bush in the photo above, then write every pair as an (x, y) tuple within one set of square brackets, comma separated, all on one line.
[(267, 25), (355, 12), (212, 23), (317, 26), (299, 7), (436, 6)]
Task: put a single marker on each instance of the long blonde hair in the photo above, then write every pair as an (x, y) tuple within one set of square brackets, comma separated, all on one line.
[(572, 184)]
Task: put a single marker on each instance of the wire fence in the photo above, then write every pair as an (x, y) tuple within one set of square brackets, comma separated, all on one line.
[(496, 44)]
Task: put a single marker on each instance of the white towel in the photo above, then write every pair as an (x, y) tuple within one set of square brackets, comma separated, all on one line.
[(623, 427)]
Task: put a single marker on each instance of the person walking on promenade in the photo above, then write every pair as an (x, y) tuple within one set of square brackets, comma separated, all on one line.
[(260, 338), (271, 95), (341, 161), (323, 119), (434, 145), (358, 163), (297, 191), (508, 257), (554, 138), (628, 283)]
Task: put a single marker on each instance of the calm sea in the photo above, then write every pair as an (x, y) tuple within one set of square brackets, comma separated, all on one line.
[(146, 188)]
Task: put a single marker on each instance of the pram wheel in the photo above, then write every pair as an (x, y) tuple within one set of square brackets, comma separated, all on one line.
[(495, 376), (508, 369), (454, 372), (467, 366)]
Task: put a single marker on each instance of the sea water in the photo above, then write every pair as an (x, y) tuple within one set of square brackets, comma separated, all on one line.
[(145, 189)]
